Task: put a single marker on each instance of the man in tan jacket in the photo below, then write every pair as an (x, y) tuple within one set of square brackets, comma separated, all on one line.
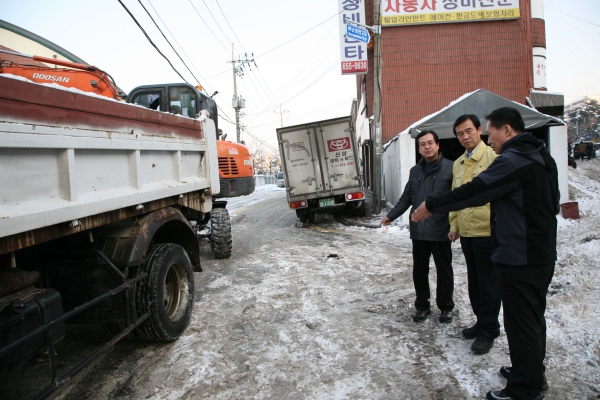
[(472, 226)]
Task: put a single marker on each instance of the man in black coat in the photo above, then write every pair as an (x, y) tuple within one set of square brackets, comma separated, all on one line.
[(522, 185), (430, 177)]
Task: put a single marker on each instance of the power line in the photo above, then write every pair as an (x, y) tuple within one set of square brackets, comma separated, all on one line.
[(161, 32), (150, 40), (296, 37), (584, 32), (565, 36), (572, 16), (312, 83), (220, 73), (226, 20), (259, 141), (180, 46), (207, 26), (213, 17)]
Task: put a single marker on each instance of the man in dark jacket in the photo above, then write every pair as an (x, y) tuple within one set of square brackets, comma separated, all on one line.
[(522, 185), (430, 177)]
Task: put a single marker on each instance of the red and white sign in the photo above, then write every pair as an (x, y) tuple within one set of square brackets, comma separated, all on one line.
[(338, 144), (353, 52)]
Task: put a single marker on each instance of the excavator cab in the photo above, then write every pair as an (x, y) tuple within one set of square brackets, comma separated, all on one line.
[(175, 98)]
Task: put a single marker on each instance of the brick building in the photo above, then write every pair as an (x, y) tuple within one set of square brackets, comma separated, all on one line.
[(434, 52), (425, 67)]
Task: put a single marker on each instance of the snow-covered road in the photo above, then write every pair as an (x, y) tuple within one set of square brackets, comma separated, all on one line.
[(325, 313)]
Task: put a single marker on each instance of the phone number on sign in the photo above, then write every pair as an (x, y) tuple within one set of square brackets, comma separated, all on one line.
[(353, 66)]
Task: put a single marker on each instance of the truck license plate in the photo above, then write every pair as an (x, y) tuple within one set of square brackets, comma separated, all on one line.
[(329, 201)]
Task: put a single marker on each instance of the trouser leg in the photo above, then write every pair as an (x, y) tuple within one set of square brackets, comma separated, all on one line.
[(524, 290), (472, 279), (483, 278), (421, 255), (442, 256)]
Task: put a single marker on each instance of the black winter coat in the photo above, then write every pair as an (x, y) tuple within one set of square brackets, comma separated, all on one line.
[(420, 185), (522, 186)]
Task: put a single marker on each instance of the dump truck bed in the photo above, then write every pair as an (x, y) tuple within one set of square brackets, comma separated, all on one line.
[(71, 161)]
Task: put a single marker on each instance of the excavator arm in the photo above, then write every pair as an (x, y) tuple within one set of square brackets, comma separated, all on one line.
[(80, 76)]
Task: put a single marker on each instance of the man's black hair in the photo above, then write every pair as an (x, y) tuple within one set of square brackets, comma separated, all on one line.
[(507, 116), (465, 117), (435, 136)]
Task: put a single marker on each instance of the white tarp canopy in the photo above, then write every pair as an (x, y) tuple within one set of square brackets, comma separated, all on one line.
[(481, 103)]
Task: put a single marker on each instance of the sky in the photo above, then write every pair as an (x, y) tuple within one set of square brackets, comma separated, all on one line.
[(295, 45)]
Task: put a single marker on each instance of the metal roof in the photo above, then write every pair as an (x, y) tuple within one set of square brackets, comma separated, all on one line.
[(481, 103)]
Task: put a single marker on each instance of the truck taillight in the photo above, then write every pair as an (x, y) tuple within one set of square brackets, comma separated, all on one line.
[(355, 196), (298, 204)]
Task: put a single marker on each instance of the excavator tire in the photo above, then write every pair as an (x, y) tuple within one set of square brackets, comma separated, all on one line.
[(220, 237)]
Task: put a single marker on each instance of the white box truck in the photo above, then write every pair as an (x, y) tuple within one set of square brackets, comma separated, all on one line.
[(320, 164)]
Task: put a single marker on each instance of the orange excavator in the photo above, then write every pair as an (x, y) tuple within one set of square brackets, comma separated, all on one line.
[(236, 169), (80, 76)]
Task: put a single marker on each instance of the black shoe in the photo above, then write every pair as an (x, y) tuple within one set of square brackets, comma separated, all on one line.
[(471, 333), (482, 345), (421, 315), (446, 317), (502, 395), (505, 371)]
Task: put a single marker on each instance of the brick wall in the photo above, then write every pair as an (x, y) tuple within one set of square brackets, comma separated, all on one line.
[(538, 32)]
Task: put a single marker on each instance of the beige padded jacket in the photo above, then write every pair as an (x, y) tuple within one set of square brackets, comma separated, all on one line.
[(471, 222)]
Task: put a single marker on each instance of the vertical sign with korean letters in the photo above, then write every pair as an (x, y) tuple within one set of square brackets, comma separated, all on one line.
[(539, 68), (418, 12), (353, 51)]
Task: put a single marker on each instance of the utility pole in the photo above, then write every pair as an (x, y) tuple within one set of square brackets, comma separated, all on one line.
[(377, 108), (377, 149), (238, 102), (281, 112)]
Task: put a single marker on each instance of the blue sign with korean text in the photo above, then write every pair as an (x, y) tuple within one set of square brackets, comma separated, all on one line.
[(357, 33)]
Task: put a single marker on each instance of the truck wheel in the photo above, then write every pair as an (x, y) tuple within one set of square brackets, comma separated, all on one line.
[(167, 294), (220, 236), (302, 215)]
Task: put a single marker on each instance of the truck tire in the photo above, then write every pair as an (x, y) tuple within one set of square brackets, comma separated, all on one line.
[(305, 216), (220, 236), (167, 294)]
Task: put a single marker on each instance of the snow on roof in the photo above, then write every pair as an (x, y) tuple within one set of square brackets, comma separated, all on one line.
[(479, 102)]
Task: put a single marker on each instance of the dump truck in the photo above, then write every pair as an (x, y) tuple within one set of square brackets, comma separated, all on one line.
[(322, 175), (101, 203)]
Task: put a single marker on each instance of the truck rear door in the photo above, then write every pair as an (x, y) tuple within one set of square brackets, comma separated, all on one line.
[(300, 156), (337, 152)]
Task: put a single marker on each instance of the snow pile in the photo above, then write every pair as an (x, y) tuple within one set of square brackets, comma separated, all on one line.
[(573, 300)]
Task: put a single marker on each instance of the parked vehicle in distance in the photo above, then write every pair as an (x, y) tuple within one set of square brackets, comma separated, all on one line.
[(280, 180), (320, 168), (587, 150)]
